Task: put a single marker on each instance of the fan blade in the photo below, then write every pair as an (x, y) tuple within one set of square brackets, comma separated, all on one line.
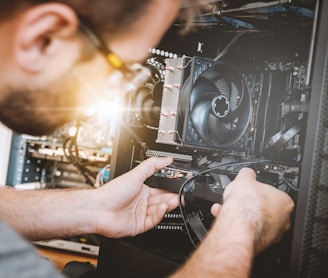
[(222, 179), (216, 128), (202, 88), (219, 134), (208, 193), (142, 93), (150, 111), (233, 114), (199, 116), (157, 93), (224, 87), (147, 109)]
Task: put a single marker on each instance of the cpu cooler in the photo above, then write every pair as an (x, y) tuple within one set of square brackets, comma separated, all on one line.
[(218, 105)]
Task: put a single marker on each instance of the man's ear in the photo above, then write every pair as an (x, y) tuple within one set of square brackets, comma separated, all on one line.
[(39, 28)]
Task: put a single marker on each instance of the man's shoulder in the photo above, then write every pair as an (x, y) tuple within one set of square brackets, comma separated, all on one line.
[(18, 257)]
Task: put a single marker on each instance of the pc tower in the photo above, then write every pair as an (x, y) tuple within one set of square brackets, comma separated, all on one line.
[(246, 87)]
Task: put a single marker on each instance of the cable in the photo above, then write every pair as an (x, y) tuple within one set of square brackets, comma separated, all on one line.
[(230, 44), (224, 166), (71, 152), (74, 159), (100, 177)]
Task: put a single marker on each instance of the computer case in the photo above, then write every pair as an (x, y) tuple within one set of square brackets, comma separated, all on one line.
[(282, 62)]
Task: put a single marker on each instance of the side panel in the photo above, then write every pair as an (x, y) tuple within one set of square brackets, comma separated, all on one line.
[(310, 241)]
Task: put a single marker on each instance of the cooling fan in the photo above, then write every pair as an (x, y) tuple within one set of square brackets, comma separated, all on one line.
[(218, 106), (146, 102)]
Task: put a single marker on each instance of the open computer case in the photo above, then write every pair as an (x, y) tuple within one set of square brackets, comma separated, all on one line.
[(247, 87)]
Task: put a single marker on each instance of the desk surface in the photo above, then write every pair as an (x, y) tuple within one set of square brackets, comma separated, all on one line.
[(60, 258)]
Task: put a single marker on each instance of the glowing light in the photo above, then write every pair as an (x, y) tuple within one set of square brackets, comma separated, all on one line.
[(72, 130)]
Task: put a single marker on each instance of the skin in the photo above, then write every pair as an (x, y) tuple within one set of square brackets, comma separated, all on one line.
[(126, 201), (45, 83), (34, 58), (45, 77), (260, 216)]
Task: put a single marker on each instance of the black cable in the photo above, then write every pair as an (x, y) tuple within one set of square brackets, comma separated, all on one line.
[(239, 165), (70, 146)]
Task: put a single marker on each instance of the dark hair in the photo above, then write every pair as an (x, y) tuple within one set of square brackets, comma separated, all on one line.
[(102, 15), (105, 16)]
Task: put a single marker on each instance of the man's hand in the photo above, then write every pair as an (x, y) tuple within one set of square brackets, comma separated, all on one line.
[(270, 207), (127, 207), (253, 216)]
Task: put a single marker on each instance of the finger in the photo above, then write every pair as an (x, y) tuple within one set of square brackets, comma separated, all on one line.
[(155, 218), (215, 209), (150, 166), (170, 205), (157, 194), (171, 199), (151, 210), (246, 173)]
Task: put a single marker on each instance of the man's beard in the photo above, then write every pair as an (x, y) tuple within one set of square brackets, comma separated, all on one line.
[(39, 111)]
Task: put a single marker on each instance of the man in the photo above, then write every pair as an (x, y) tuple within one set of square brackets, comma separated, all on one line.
[(50, 70)]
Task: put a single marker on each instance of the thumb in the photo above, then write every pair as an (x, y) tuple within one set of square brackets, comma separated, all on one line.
[(150, 166), (246, 173), (215, 209)]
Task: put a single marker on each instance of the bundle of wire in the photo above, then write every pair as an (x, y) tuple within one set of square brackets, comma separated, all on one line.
[(83, 165), (197, 216)]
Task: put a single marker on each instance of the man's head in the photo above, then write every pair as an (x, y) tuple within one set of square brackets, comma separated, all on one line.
[(50, 70)]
